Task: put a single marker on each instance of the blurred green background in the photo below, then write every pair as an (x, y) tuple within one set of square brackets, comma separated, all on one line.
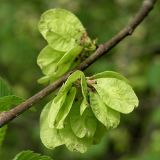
[(137, 57)]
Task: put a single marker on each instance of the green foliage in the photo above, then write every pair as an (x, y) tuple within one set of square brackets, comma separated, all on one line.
[(67, 43), (7, 101), (65, 120), (30, 155)]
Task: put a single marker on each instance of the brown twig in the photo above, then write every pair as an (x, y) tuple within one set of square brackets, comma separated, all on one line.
[(146, 7)]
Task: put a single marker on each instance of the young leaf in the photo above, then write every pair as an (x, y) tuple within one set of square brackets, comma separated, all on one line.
[(61, 29), (7, 102), (65, 109), (72, 142), (109, 74), (107, 116), (49, 136), (84, 125), (30, 155), (116, 94)]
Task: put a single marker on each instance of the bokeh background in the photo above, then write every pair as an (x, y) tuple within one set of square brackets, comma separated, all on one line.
[(137, 57)]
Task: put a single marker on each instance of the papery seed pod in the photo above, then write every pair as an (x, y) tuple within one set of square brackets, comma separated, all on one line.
[(48, 58), (65, 50), (115, 91), (65, 109), (107, 116), (62, 103), (61, 28), (84, 109), (72, 142), (82, 125), (109, 74), (49, 136)]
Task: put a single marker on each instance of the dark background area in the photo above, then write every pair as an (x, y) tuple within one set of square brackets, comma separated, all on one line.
[(137, 57)]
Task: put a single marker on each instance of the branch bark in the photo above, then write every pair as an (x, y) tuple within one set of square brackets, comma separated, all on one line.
[(147, 5)]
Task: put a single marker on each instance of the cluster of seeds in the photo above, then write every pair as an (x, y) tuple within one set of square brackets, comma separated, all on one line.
[(84, 109), (68, 43)]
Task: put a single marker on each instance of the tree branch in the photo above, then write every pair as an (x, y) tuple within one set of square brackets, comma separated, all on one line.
[(6, 117)]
